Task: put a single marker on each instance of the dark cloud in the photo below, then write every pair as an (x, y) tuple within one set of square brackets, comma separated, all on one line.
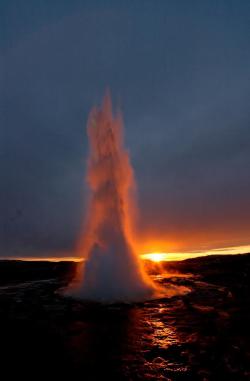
[(181, 74)]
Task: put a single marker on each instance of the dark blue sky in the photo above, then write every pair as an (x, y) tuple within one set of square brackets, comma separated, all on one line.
[(180, 71)]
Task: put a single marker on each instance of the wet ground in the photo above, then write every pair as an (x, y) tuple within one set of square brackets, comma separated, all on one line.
[(203, 335)]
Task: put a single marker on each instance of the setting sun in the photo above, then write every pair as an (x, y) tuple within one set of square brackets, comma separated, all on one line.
[(155, 257)]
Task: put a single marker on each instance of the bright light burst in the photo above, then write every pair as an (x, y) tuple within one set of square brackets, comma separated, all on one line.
[(155, 257)]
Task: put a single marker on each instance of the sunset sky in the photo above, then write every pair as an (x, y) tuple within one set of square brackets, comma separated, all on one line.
[(180, 72)]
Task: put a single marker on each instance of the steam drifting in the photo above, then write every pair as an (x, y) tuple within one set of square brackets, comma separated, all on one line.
[(112, 270)]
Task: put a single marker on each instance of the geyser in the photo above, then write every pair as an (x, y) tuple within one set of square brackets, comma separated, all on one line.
[(112, 270)]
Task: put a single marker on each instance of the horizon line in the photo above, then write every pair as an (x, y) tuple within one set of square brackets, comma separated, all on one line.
[(162, 256)]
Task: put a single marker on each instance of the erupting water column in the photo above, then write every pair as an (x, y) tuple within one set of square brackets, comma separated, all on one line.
[(112, 270)]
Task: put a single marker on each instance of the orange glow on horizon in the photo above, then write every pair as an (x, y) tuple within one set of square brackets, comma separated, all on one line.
[(178, 256), (153, 255), (45, 259), (172, 240)]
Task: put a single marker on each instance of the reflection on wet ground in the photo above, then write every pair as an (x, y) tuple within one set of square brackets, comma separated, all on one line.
[(202, 335)]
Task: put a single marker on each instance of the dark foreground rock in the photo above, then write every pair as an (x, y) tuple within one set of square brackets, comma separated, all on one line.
[(203, 335)]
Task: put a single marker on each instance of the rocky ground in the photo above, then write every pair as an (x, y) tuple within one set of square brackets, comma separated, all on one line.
[(202, 335)]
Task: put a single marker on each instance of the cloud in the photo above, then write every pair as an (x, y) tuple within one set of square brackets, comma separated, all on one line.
[(181, 75)]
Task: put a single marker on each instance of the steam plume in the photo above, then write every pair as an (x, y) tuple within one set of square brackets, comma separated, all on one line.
[(112, 271)]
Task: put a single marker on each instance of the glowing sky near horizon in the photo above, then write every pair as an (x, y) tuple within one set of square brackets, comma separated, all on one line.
[(153, 256), (180, 72)]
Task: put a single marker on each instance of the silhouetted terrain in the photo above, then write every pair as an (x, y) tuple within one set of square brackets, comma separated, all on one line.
[(23, 271), (203, 335)]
